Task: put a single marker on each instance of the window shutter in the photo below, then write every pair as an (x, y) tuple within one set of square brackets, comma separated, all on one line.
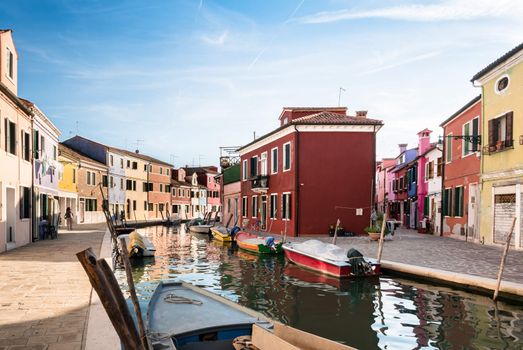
[(508, 130), (466, 144), (475, 133), (491, 133)]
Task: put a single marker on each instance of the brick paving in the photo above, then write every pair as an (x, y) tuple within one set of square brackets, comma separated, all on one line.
[(444, 253), (45, 293)]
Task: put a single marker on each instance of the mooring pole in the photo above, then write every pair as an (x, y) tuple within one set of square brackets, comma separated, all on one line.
[(380, 245), (132, 291), (336, 231), (503, 259)]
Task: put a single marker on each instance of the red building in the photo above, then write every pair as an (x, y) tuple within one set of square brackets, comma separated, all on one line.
[(318, 166), (461, 175), (180, 194)]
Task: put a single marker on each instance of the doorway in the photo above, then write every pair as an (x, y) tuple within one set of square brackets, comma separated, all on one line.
[(471, 211), (263, 212), (81, 210), (10, 216)]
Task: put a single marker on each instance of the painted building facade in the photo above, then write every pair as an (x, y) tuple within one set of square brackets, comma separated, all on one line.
[(431, 216), (159, 196), (501, 167), (461, 158), (45, 207), (15, 153), (68, 181), (382, 188), (231, 188), (399, 203), (283, 173), (181, 195)]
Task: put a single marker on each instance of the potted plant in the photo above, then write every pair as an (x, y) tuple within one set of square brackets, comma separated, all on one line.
[(374, 232)]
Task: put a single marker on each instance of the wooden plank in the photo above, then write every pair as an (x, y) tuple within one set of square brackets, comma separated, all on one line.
[(104, 283), (304, 340), (265, 340)]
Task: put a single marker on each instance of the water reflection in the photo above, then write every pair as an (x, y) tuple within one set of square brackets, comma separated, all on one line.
[(375, 313)]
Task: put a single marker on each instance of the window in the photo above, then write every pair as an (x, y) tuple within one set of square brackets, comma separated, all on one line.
[(104, 181), (426, 206), (287, 156), (111, 182), (151, 207), (501, 84), (161, 187), (145, 205), (244, 207), (135, 165), (129, 185), (286, 206), (274, 160), (145, 167), (134, 205), (458, 201), (254, 166), (10, 64), (166, 171), (121, 163), (470, 129), (160, 207), (54, 152), (447, 202), (448, 148), (10, 136), (91, 178), (254, 206), (500, 132), (273, 207), (74, 176), (36, 144), (26, 146), (263, 164), (429, 170), (244, 169), (168, 188), (25, 205), (161, 170), (128, 163), (401, 183), (121, 182), (111, 159), (90, 204), (439, 167)]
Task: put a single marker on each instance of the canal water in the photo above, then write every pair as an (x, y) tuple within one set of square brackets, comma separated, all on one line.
[(377, 313)]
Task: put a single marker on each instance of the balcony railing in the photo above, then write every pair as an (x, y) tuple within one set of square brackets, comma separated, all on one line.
[(260, 182)]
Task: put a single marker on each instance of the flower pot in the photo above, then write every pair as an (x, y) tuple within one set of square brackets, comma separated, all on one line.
[(374, 236)]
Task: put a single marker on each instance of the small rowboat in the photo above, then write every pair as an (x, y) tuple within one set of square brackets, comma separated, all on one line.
[(138, 245), (200, 228), (221, 233), (260, 245), (330, 259)]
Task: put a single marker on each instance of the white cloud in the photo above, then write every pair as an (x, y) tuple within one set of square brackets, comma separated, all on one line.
[(218, 40), (449, 10)]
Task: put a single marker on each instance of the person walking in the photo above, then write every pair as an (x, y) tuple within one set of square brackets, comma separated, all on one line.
[(68, 216)]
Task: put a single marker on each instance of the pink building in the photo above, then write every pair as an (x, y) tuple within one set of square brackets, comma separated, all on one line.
[(423, 146), (382, 183)]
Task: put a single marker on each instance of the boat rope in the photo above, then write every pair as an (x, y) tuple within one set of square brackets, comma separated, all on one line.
[(176, 299)]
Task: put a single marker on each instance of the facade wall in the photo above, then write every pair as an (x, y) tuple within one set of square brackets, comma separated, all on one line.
[(433, 211), (462, 170), (117, 171), (213, 194), (181, 202), (501, 171), (279, 183), (7, 43), (88, 210), (345, 163), (160, 196), (67, 186), (15, 173), (136, 196), (232, 203)]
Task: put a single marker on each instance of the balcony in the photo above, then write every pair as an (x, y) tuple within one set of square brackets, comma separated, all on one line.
[(260, 183)]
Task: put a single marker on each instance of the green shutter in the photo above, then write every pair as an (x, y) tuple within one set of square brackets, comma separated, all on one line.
[(426, 206), (466, 146), (475, 133)]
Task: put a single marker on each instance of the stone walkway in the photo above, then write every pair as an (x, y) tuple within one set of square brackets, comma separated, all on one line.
[(45, 293), (444, 253)]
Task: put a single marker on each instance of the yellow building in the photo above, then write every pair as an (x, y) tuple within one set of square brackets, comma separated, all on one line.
[(67, 180), (502, 141)]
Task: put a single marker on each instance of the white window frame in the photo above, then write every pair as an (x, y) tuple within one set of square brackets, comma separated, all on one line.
[(275, 214), (284, 216), (262, 173), (254, 205), (244, 170), (274, 170), (448, 140), (245, 206), (290, 157)]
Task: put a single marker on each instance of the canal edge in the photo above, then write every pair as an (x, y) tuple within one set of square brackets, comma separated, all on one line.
[(101, 334), (509, 291)]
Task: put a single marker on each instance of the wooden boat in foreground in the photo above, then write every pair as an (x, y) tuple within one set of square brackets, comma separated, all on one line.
[(256, 244), (330, 259), (181, 316)]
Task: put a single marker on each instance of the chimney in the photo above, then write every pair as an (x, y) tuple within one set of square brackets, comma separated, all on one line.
[(424, 140), (403, 147), (361, 114)]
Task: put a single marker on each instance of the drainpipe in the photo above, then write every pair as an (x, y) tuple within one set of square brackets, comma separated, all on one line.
[(33, 209), (373, 171), (443, 166), (297, 179)]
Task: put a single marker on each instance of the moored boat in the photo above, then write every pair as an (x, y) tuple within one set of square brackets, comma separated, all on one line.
[(221, 233), (200, 228), (330, 259), (256, 244), (138, 245)]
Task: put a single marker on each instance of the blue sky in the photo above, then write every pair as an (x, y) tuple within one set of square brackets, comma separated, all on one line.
[(186, 77)]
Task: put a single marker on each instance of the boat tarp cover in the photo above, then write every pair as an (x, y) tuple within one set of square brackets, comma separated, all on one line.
[(321, 249), (192, 312)]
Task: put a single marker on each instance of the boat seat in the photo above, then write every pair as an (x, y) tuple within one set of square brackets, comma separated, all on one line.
[(209, 345)]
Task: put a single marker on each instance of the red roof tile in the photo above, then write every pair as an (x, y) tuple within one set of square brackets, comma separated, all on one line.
[(334, 118)]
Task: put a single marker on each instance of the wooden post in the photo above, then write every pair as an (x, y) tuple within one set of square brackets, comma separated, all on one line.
[(132, 291), (104, 283), (503, 259), (228, 221), (336, 231), (380, 245)]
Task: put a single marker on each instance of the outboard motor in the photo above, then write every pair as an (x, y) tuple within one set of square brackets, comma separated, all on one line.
[(359, 267), (234, 231), (269, 242)]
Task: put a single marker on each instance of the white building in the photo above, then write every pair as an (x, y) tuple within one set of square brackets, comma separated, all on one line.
[(433, 178)]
